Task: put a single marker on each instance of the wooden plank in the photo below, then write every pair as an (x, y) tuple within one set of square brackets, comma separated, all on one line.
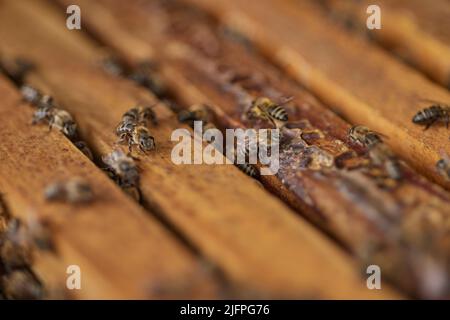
[(363, 84), (347, 204), (254, 239), (416, 31), (122, 251)]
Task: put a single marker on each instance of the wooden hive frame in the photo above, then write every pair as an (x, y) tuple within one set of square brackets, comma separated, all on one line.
[(254, 244)]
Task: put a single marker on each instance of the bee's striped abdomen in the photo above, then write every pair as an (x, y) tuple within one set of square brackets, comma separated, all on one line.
[(278, 113), (248, 170), (430, 114)]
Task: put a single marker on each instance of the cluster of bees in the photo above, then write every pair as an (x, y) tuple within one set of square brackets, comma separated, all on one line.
[(17, 243), (132, 130)]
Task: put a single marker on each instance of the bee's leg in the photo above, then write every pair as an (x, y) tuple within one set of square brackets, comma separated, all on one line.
[(50, 124), (142, 149), (429, 124)]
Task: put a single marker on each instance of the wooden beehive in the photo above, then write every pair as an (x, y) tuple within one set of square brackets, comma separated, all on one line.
[(210, 231)]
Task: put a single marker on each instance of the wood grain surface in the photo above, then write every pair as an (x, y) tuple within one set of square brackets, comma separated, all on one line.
[(190, 57), (98, 237), (358, 80), (264, 248)]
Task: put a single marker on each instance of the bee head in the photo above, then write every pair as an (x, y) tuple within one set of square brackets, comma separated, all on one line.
[(147, 142), (185, 116), (419, 118), (70, 129)]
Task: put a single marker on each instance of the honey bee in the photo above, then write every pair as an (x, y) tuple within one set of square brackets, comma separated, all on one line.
[(75, 190), (113, 66), (196, 112), (56, 118), (16, 248), (443, 167), (437, 112), (145, 75), (142, 138), (248, 169), (39, 234), (378, 152), (30, 94), (381, 155), (266, 109), (364, 136), (62, 120), (16, 68), (21, 284), (147, 115), (123, 167), (141, 115), (82, 146)]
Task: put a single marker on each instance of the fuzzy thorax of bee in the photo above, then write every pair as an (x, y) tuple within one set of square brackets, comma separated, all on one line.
[(265, 109)]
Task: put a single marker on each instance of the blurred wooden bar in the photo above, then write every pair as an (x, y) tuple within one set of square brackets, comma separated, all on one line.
[(262, 248), (417, 31), (190, 51), (358, 80)]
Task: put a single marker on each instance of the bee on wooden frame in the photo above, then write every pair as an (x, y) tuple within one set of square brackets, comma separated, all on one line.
[(437, 112), (265, 109), (16, 68), (132, 128), (30, 94), (381, 155), (16, 247), (75, 190), (249, 170), (443, 166), (112, 65), (141, 137), (55, 117), (21, 284), (146, 115), (123, 167), (145, 75), (364, 137), (197, 112), (82, 146)]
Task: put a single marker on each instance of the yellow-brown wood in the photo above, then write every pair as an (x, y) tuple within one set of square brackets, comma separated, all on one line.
[(350, 206), (122, 251), (356, 78), (416, 30), (252, 237)]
